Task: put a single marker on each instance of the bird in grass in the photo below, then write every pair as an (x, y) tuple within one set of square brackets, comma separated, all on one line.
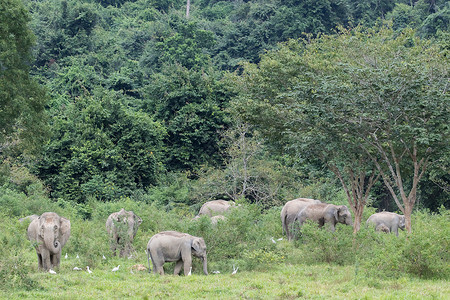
[(216, 272), (234, 270), (273, 241), (78, 256), (88, 270), (77, 269), (104, 257), (66, 256), (280, 239), (190, 271), (116, 268), (131, 256), (51, 271)]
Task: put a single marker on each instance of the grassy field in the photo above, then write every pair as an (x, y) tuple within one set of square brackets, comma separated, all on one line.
[(281, 282)]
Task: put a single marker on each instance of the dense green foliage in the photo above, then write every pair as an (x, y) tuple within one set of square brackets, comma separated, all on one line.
[(22, 117), (129, 78), (132, 104)]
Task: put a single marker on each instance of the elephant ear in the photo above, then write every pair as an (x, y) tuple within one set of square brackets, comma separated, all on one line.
[(336, 213), (64, 230), (196, 244), (138, 220)]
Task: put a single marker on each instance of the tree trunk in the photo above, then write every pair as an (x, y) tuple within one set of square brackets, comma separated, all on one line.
[(188, 7)]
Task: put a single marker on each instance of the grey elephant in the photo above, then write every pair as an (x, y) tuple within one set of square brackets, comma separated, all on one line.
[(323, 213), (391, 220), (290, 211), (49, 233), (168, 246), (216, 207), (122, 227)]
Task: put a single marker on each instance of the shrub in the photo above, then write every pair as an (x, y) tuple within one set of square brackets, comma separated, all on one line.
[(15, 249), (423, 253)]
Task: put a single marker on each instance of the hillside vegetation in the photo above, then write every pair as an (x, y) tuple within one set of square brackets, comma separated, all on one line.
[(110, 104)]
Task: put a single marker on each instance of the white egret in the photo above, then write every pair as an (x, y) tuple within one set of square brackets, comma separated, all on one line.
[(51, 271), (77, 269), (190, 272), (66, 256), (104, 257), (116, 268), (89, 270), (234, 270), (273, 241)]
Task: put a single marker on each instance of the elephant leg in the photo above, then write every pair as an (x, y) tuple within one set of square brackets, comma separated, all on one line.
[(395, 229), (55, 258), (187, 265), (159, 269), (40, 267), (178, 266), (46, 263)]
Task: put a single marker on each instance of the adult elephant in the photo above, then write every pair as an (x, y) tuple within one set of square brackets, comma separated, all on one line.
[(168, 246), (122, 227), (390, 220), (216, 207), (49, 233), (323, 213), (290, 211)]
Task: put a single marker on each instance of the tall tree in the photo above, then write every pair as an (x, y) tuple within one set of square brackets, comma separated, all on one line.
[(22, 101), (385, 96)]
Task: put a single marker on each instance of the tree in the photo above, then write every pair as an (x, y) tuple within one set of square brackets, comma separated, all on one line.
[(101, 148), (384, 96), (22, 116)]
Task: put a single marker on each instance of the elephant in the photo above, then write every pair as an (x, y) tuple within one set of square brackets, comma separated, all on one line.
[(290, 211), (216, 207), (49, 233), (168, 246), (323, 213), (122, 227), (391, 220)]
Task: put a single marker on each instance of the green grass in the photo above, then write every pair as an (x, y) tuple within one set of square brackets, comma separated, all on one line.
[(280, 282)]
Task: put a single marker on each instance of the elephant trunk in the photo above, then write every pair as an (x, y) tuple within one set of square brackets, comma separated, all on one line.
[(53, 245), (205, 265)]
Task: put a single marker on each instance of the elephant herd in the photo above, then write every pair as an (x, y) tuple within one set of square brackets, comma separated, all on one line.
[(295, 212), (49, 232)]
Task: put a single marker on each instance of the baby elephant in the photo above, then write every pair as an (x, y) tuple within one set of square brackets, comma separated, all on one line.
[(175, 246), (122, 227), (391, 221)]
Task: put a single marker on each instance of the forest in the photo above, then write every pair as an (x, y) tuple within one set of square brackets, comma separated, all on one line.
[(161, 106)]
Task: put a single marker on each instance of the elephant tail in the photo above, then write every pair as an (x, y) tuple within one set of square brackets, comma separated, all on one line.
[(283, 224), (148, 260)]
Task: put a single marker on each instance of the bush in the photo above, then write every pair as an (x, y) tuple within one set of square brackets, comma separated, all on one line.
[(14, 263), (320, 245), (424, 253)]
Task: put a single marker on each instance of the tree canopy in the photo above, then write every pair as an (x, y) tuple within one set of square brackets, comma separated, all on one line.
[(22, 115)]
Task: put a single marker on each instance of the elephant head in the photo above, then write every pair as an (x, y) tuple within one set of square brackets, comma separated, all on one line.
[(402, 223), (343, 216), (54, 231), (199, 250)]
